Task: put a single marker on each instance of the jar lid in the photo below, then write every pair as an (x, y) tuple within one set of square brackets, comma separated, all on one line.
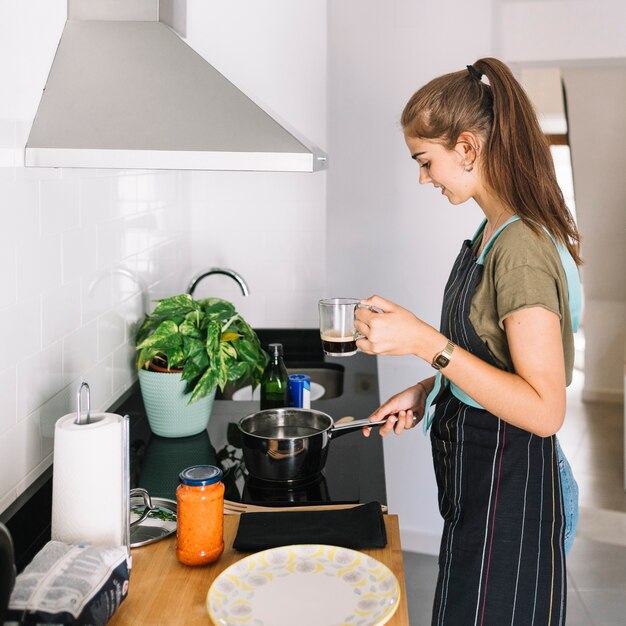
[(200, 475)]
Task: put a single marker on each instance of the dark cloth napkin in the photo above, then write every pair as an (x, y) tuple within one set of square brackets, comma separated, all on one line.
[(359, 527)]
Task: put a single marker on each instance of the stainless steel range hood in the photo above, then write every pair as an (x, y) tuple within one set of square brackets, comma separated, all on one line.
[(125, 91)]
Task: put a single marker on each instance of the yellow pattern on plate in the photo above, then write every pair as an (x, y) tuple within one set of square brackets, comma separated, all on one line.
[(307, 585)]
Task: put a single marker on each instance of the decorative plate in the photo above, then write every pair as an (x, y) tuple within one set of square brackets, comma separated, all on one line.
[(246, 393), (307, 585)]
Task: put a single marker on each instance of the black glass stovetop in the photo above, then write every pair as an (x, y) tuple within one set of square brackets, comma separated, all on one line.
[(157, 461)]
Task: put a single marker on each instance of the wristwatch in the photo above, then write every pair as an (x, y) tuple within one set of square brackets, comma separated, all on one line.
[(442, 358)]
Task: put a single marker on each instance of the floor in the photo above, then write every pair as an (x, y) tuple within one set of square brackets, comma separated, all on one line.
[(593, 441)]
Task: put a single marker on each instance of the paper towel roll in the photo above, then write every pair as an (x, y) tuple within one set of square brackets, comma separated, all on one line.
[(89, 480)]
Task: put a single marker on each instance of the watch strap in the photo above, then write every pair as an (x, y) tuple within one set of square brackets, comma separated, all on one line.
[(441, 359)]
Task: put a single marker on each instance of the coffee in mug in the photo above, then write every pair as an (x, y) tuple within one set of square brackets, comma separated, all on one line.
[(335, 344), (337, 326)]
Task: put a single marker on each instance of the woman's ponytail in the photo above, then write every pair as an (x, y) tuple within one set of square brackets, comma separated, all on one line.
[(518, 163), (516, 158)]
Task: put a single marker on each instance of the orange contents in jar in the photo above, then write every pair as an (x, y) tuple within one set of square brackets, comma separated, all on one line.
[(200, 529)]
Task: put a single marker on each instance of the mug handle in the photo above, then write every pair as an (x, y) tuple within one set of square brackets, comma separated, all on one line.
[(374, 309), (369, 307)]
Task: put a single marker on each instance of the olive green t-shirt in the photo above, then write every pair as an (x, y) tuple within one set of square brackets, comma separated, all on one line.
[(521, 270)]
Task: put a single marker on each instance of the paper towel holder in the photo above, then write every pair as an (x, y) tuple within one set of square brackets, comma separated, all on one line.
[(79, 412)]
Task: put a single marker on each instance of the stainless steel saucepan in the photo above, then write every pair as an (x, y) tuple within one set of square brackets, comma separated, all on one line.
[(290, 445)]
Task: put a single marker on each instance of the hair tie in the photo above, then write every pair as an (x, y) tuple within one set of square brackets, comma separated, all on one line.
[(474, 73)]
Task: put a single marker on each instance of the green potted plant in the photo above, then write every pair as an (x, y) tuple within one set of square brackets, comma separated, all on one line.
[(186, 349)]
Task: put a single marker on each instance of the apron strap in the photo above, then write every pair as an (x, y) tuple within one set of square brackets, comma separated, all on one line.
[(574, 296), (572, 275), (441, 381), (429, 415), (481, 259)]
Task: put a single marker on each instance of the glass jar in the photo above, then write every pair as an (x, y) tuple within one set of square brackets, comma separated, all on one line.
[(200, 529)]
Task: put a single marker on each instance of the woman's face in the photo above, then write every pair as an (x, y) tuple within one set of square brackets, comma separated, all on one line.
[(445, 169)]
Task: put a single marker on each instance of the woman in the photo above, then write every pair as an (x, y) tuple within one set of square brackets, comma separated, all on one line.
[(504, 353)]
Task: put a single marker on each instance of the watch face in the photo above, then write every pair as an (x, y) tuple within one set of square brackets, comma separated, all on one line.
[(441, 360)]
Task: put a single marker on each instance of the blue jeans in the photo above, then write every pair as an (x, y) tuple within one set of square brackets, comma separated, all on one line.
[(569, 487)]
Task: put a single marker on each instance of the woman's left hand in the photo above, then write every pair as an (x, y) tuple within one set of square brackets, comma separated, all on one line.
[(395, 331)]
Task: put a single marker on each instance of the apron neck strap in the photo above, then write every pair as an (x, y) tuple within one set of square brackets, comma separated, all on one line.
[(569, 267), (483, 254)]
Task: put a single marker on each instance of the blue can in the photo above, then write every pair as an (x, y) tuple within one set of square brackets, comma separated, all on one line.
[(300, 391)]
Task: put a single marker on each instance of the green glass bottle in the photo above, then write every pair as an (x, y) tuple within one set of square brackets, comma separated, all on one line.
[(275, 380)]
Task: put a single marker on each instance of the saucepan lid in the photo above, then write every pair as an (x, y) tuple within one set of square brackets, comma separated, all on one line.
[(160, 522)]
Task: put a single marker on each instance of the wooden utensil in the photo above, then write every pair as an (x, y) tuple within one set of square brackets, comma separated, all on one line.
[(236, 508)]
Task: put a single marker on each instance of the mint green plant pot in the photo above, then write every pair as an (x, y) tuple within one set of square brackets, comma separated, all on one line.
[(167, 405)]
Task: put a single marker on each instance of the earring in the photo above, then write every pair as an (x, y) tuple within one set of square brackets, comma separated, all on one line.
[(469, 169)]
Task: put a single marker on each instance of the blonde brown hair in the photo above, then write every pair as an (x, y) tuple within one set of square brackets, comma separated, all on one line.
[(516, 159)]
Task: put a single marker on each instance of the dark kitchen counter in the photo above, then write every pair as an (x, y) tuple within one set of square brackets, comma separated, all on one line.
[(354, 470)]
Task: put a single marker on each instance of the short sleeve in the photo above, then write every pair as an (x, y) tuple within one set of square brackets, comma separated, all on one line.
[(525, 286), (522, 270)]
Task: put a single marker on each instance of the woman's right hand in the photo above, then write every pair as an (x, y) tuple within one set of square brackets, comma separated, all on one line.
[(405, 410)]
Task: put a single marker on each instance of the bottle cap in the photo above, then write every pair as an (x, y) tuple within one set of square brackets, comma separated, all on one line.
[(275, 349), (200, 475)]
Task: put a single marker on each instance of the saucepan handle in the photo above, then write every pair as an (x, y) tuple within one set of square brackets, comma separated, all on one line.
[(340, 427)]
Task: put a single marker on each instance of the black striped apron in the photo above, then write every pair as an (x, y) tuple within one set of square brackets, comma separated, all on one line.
[(501, 560)]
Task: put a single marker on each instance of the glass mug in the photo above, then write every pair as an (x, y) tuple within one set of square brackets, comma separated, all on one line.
[(337, 325)]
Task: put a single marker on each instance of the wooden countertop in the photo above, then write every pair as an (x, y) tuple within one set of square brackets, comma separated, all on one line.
[(164, 592)]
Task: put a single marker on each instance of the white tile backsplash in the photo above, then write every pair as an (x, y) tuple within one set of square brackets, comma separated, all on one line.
[(80, 259), (39, 265), (124, 196), (60, 312), (80, 350), (19, 203), (124, 368), (111, 332), (84, 253), (8, 393), (20, 330), (79, 253), (59, 206), (96, 200), (33, 475), (8, 272), (27, 444), (270, 229), (50, 411), (39, 377), (96, 294), (9, 475)]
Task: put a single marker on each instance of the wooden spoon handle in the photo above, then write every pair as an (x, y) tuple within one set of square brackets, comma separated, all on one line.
[(256, 508)]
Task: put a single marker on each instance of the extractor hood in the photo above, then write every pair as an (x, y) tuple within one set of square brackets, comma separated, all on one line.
[(125, 91)]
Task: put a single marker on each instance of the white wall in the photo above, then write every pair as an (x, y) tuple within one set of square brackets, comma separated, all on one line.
[(386, 234), (75, 246), (585, 39), (597, 132), (532, 31), (270, 227)]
